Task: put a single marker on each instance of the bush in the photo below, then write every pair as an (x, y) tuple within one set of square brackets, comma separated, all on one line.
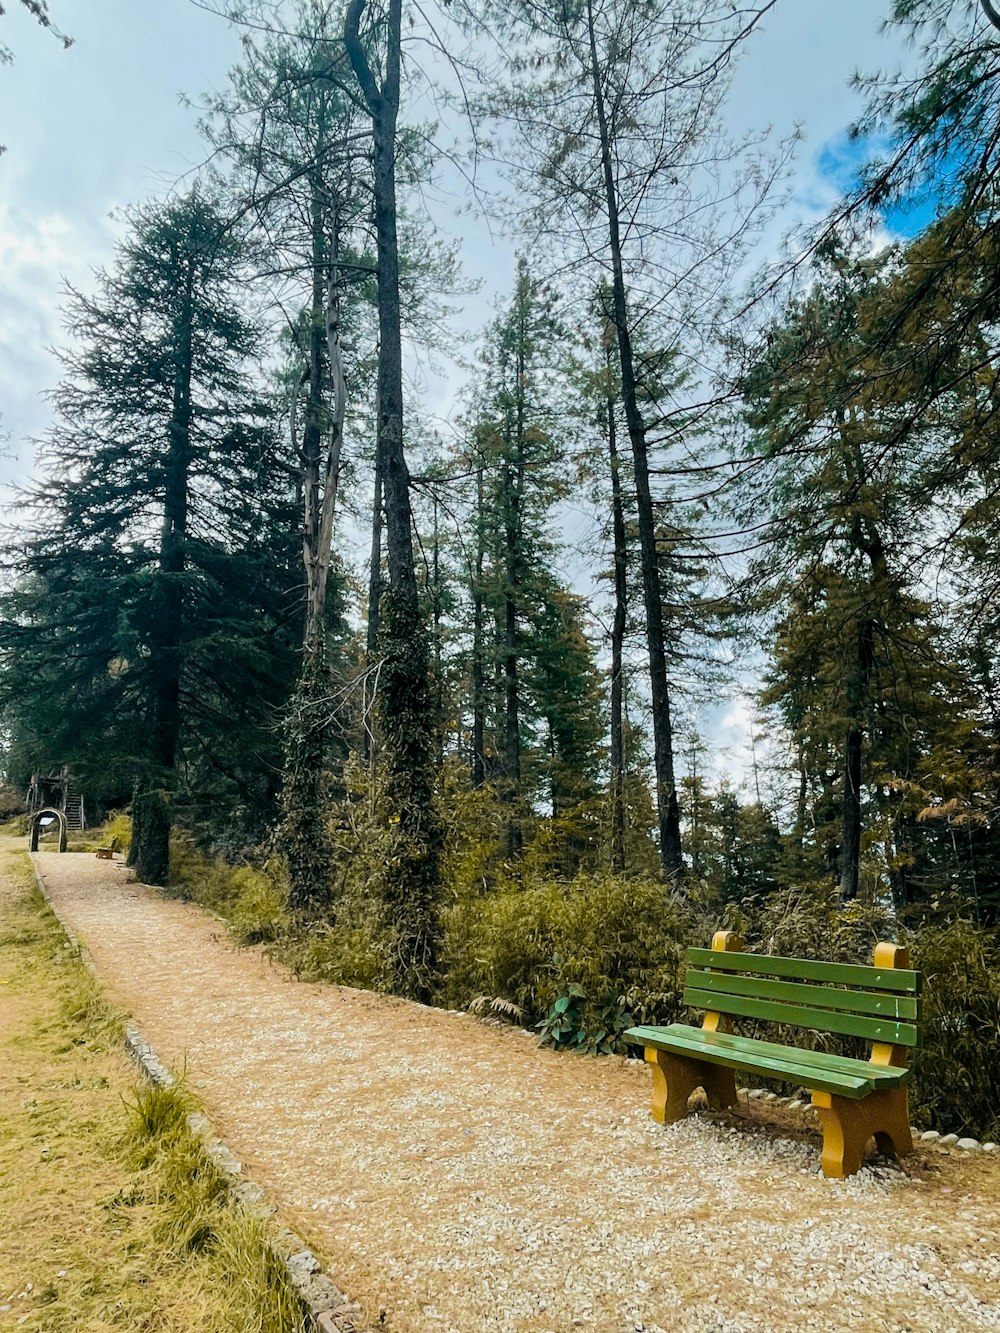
[(116, 830), (17, 826), (251, 899), (578, 958), (956, 1068), (956, 1072), (11, 802)]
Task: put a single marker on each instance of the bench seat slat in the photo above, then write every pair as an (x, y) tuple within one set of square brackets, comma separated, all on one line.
[(676, 1039), (878, 1004), (805, 969), (838, 1076), (889, 1076), (800, 1015)]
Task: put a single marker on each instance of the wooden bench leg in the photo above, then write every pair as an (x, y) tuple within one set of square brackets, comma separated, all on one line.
[(849, 1124), (675, 1078)]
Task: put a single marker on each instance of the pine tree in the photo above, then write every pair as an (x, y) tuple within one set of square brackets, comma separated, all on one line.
[(288, 128), (519, 453), (857, 653), (147, 591), (410, 885), (616, 111)]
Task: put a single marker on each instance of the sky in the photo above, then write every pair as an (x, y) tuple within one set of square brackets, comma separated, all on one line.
[(91, 129), (104, 124)]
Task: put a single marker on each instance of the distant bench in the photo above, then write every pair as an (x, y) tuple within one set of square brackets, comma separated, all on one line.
[(107, 852), (856, 1099)]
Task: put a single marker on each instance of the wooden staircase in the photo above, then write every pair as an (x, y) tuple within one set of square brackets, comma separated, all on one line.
[(73, 810)]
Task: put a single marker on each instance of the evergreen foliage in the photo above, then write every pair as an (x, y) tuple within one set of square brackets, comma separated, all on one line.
[(148, 626)]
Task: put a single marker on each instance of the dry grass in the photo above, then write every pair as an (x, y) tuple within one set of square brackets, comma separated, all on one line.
[(110, 1217)]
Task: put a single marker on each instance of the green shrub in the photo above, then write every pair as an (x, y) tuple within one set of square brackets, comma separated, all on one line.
[(607, 947), (346, 953), (808, 922), (11, 802), (253, 900), (117, 828), (956, 1067), (956, 1072)]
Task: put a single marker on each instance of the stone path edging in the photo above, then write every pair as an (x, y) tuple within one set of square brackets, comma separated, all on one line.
[(328, 1309), (930, 1138)]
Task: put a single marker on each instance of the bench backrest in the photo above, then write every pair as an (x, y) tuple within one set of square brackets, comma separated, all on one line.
[(879, 1004)]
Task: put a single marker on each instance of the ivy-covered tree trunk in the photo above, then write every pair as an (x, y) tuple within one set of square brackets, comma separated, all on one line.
[(149, 850), (303, 835), (409, 883)]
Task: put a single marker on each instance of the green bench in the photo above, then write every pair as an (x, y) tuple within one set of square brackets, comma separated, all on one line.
[(856, 1099)]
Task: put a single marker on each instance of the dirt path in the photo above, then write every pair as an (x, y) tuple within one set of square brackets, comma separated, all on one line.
[(456, 1179)]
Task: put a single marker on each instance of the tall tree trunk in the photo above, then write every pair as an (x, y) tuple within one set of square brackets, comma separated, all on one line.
[(799, 831), (668, 810), (436, 636), (409, 887), (374, 596), (512, 702), (149, 852), (850, 844), (478, 648), (513, 475), (867, 540), (617, 637), (323, 433), (304, 837)]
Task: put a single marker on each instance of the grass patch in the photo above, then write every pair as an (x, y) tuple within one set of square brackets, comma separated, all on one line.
[(111, 1215)]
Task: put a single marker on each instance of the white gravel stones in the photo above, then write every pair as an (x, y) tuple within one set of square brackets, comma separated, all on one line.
[(930, 1136), (968, 1145), (947, 1140)]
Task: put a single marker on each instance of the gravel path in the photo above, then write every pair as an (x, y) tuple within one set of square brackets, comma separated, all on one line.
[(456, 1179)]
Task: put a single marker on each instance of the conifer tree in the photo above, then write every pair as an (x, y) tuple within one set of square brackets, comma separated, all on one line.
[(409, 887), (146, 589), (297, 162), (615, 108), (519, 452), (856, 653)]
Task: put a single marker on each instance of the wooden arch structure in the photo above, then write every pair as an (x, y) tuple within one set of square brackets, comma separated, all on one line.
[(36, 827)]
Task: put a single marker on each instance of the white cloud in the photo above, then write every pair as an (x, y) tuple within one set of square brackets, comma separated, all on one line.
[(36, 258)]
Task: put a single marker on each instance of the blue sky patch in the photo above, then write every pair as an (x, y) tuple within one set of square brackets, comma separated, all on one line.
[(840, 162)]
